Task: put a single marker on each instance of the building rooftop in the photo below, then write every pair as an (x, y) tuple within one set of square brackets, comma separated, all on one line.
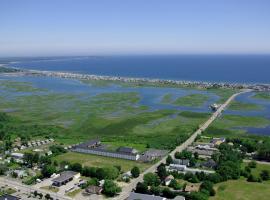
[(65, 176), (128, 150), (137, 196), (8, 197)]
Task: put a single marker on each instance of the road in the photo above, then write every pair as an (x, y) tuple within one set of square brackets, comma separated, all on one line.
[(28, 189), (126, 190)]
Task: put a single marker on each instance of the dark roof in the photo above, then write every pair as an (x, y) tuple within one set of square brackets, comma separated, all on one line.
[(209, 163), (89, 143), (137, 196), (8, 197), (66, 175), (128, 150), (155, 152)]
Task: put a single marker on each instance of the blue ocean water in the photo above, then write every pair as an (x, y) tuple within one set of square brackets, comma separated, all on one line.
[(215, 68)]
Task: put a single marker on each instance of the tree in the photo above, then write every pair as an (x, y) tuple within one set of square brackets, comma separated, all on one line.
[(208, 186), (175, 185), (196, 155), (100, 173), (110, 189), (155, 190), (141, 188), (48, 196), (135, 171), (77, 167), (48, 170), (161, 171), (3, 169), (111, 173), (265, 175), (252, 164), (151, 179), (169, 160), (168, 193), (89, 171)]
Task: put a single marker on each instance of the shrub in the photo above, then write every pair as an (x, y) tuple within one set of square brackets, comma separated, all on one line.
[(135, 171)]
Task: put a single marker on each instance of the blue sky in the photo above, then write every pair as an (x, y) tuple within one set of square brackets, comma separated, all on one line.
[(87, 27)]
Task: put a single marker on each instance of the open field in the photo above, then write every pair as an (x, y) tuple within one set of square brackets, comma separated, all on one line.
[(237, 105), (256, 171), (242, 190), (100, 161)]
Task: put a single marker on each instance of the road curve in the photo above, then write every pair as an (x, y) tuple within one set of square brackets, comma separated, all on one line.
[(126, 190)]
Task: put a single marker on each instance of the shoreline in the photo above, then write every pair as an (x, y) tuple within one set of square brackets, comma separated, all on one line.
[(185, 83)]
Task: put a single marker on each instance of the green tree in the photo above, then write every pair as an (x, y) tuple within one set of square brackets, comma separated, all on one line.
[(208, 186), (141, 188), (155, 190), (265, 175), (169, 160), (151, 179), (110, 189), (48, 170), (161, 171), (252, 164), (135, 171)]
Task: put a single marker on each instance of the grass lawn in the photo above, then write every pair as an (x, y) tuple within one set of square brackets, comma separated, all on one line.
[(256, 171), (50, 188), (242, 190), (100, 161), (74, 193)]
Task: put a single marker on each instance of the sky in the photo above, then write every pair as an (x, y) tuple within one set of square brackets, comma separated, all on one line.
[(94, 27)]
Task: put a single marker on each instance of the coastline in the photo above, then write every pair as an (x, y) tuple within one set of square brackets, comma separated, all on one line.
[(165, 82)]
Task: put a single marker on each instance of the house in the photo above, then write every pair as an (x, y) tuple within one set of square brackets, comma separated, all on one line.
[(8, 197), (179, 198), (65, 177), (17, 155), (210, 163), (152, 154), (176, 167), (93, 189), (126, 175), (93, 143), (101, 182), (138, 196), (217, 141), (168, 180), (181, 162)]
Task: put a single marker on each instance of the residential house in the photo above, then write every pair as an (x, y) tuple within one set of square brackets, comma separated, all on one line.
[(168, 180)]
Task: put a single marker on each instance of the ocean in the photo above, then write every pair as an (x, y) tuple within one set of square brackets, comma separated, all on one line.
[(211, 68)]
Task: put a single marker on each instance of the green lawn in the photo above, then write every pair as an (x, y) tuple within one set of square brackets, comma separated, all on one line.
[(100, 161), (242, 190)]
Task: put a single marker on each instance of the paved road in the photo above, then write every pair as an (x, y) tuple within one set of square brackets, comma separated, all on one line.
[(126, 190), (28, 189), (257, 161)]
